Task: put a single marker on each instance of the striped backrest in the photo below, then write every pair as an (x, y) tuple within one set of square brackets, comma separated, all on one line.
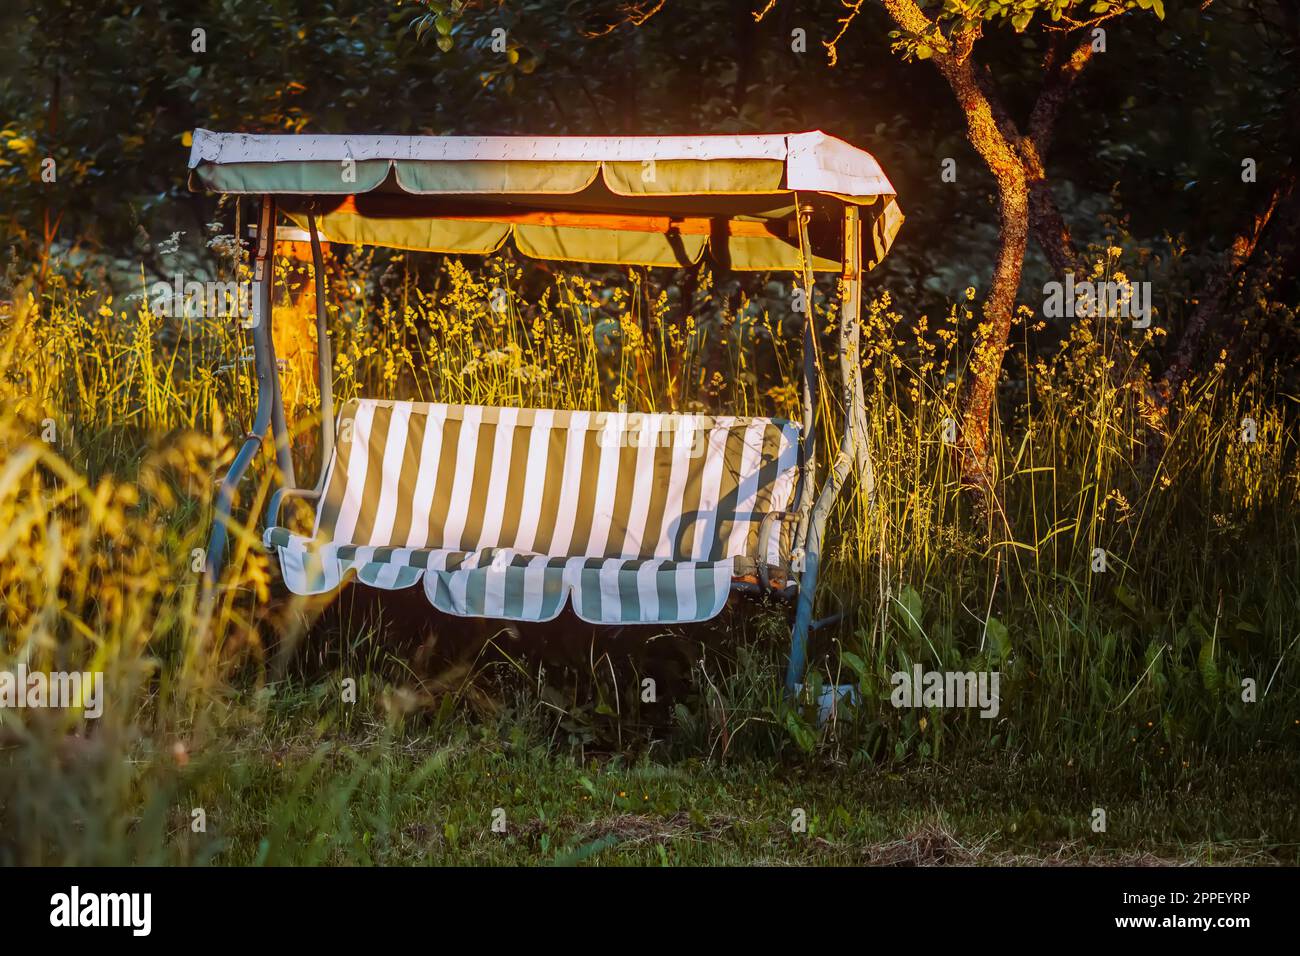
[(556, 483)]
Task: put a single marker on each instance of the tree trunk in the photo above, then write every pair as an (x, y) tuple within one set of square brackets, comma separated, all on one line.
[(994, 332), (994, 135), (996, 140), (1048, 225)]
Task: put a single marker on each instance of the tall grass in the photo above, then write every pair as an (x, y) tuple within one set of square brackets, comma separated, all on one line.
[(114, 422)]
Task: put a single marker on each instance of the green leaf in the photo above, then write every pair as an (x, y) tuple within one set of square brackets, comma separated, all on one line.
[(911, 611), (1210, 676), (998, 638), (803, 737), (1126, 598), (575, 856), (854, 663)]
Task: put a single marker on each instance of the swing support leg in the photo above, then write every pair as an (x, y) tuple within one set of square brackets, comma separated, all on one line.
[(269, 417), (853, 452), (325, 380)]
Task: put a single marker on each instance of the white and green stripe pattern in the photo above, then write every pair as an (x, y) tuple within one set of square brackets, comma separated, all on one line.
[(508, 513)]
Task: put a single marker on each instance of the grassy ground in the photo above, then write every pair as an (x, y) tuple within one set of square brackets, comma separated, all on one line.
[(283, 791), (1162, 688)]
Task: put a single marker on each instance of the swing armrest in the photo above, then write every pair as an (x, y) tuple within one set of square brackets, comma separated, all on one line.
[(277, 499), (760, 546)]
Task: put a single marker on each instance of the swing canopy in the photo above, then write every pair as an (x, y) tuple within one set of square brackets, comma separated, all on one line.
[(628, 200)]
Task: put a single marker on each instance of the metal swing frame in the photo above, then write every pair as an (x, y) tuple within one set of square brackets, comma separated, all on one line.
[(812, 507)]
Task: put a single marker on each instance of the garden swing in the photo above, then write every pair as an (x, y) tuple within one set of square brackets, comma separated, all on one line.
[(514, 513)]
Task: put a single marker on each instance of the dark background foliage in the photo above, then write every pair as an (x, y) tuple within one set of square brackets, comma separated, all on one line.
[(1154, 134)]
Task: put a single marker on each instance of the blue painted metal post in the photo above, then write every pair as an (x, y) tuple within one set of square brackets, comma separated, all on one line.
[(847, 455), (808, 455), (268, 393)]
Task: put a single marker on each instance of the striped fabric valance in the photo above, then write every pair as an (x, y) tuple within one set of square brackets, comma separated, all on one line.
[(509, 513), (425, 192)]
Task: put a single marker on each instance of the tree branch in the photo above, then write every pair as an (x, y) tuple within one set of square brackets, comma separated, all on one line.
[(632, 14), (1048, 225), (1209, 308), (1061, 77)]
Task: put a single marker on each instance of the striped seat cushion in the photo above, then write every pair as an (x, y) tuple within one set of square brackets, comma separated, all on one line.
[(509, 513)]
